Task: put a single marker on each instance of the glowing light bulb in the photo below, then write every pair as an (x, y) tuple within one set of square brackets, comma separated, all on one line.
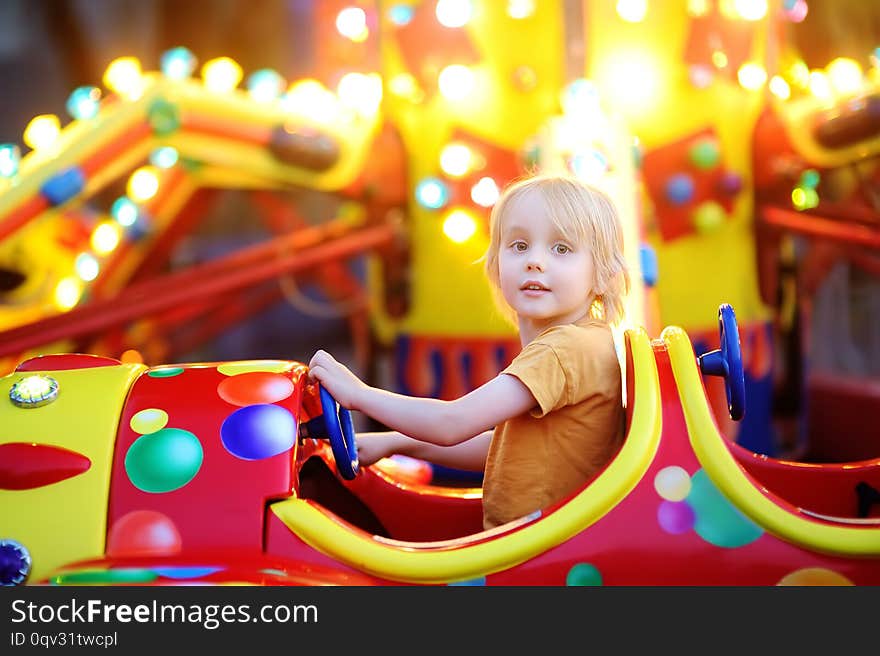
[(632, 11), (751, 10), (432, 193), (265, 85), (820, 85), (404, 85), (751, 76), (453, 13), (520, 9), (68, 291), (798, 11), (10, 157), (105, 237), (143, 184), (221, 74), (779, 87), (400, 15), (456, 159), (84, 103), (125, 211), (589, 166), (178, 63), (697, 8), (131, 356), (311, 99), (845, 76), (799, 73), (164, 157), (459, 226), (124, 77), (580, 98), (42, 131), (456, 82), (485, 192), (362, 93), (87, 267), (351, 23)]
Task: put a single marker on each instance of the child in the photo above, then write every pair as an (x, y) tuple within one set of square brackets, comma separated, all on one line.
[(555, 259)]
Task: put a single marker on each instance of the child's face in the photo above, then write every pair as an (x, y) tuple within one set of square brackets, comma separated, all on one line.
[(546, 278)]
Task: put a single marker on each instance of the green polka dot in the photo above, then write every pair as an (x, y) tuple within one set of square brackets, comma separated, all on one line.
[(718, 521), (165, 372), (584, 574), (95, 576), (164, 461)]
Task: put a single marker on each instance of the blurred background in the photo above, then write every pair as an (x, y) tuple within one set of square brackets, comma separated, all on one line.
[(273, 177)]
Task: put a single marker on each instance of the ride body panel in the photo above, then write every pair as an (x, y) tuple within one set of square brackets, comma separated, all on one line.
[(205, 447), (65, 520)]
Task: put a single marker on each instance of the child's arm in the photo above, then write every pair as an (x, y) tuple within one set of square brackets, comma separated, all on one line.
[(444, 423), (469, 455)]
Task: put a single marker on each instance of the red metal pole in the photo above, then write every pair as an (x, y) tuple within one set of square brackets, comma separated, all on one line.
[(133, 303), (819, 226)]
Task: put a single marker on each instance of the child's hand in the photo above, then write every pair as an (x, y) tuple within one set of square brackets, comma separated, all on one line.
[(375, 446), (336, 377)]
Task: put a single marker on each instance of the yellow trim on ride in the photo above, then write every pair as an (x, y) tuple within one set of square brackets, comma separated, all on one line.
[(417, 563), (66, 521), (730, 478)]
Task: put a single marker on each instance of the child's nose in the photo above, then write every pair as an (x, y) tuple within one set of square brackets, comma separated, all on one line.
[(534, 264)]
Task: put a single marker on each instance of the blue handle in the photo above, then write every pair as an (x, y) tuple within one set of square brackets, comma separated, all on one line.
[(727, 362), (340, 430)]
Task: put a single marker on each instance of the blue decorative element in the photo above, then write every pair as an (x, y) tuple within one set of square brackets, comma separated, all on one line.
[(432, 193), (481, 581), (340, 430), (64, 185), (400, 14), (648, 260), (402, 355), (125, 211), (164, 157), (265, 85), (727, 362), (84, 103), (258, 431), (185, 572), (679, 189), (10, 157), (15, 563), (178, 63)]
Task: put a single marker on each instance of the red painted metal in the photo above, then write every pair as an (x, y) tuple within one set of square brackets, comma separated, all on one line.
[(62, 361), (820, 227), (204, 517), (33, 206)]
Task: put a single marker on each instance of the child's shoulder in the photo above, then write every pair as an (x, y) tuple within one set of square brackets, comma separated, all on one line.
[(586, 336), (591, 329)]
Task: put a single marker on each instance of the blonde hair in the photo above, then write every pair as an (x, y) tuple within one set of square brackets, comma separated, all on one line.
[(586, 216)]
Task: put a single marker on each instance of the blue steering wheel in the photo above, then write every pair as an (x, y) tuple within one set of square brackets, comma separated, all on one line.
[(727, 362), (340, 430)]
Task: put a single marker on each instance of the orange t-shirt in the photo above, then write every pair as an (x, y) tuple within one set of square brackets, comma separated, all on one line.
[(540, 457)]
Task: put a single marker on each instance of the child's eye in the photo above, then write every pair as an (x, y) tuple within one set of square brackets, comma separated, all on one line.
[(561, 249), (519, 246)]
